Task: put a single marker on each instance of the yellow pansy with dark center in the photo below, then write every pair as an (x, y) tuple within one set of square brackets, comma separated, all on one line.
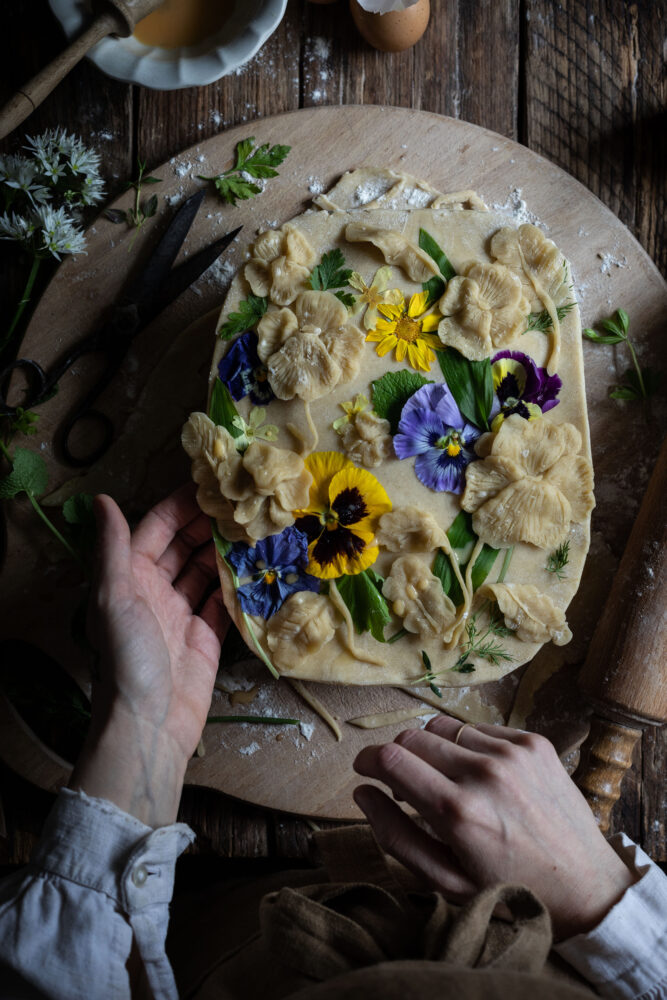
[(345, 505)]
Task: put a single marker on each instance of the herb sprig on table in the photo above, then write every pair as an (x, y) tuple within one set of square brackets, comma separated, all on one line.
[(638, 382), (140, 212), (236, 184)]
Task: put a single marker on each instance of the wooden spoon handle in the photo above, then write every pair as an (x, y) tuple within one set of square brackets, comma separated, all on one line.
[(24, 102)]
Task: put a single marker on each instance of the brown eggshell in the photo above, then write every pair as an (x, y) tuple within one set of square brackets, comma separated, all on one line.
[(394, 31)]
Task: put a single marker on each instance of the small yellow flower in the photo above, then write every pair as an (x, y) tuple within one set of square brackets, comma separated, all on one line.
[(405, 329), (374, 295), (352, 407)]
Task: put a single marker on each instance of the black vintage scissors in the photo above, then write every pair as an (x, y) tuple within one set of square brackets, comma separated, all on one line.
[(141, 302)]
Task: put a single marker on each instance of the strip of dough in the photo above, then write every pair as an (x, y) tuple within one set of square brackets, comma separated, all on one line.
[(478, 712), (387, 718), (342, 607), (550, 306), (303, 448), (318, 707)]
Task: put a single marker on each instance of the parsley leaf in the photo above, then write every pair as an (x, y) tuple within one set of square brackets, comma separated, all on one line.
[(435, 286), (392, 391), (248, 316), (260, 163), (331, 273), (362, 594), (471, 385)]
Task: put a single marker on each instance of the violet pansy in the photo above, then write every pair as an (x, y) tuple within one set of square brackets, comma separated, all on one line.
[(521, 387), (277, 567), (432, 428), (244, 373)]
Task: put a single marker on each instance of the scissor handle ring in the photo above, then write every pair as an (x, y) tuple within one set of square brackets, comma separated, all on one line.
[(92, 456), (35, 370)]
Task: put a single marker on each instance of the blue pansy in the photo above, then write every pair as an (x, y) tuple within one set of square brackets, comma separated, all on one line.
[(432, 428), (276, 566), (243, 373)]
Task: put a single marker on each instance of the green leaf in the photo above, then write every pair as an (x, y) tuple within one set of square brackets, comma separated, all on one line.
[(28, 475), (483, 566), (435, 287), (427, 243), (460, 532), (461, 538), (362, 594), (624, 319), (232, 189), (222, 409), (464, 668), (471, 385), (249, 313), (331, 272), (263, 161), (79, 514), (631, 387), (348, 300), (243, 150), (115, 215), (221, 544), (150, 208), (598, 338), (392, 391), (151, 180)]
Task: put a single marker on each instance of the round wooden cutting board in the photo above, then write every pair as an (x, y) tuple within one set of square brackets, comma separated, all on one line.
[(304, 769)]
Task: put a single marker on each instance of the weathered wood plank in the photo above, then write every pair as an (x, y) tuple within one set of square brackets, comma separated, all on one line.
[(487, 44)]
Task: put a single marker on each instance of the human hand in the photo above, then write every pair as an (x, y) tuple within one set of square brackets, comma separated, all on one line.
[(501, 808), (158, 658)]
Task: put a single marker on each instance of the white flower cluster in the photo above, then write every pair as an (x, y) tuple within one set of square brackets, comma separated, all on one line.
[(44, 190)]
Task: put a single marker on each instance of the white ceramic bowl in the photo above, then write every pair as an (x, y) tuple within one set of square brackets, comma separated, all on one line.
[(172, 69)]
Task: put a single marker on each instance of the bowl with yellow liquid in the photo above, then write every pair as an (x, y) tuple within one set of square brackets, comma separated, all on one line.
[(183, 43)]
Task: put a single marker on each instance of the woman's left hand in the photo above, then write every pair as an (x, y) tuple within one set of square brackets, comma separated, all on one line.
[(158, 656)]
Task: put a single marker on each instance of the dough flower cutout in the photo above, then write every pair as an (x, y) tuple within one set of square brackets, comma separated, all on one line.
[(521, 387), (277, 566), (418, 598), (280, 265), (531, 486), (364, 435), (406, 329), (301, 627), (373, 295), (536, 260), (432, 428), (250, 495), (484, 308), (341, 517), (311, 349), (532, 616), (243, 373), (396, 249), (409, 529)]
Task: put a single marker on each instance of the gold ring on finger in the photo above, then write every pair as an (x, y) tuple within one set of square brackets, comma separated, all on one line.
[(458, 734)]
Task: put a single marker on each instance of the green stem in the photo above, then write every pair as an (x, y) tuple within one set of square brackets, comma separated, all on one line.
[(53, 528), (268, 720), (637, 367), (506, 564), (397, 635), (5, 452), (36, 261)]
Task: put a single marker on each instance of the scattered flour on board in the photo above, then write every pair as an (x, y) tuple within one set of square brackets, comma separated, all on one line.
[(517, 209), (609, 261), (315, 185), (250, 749)]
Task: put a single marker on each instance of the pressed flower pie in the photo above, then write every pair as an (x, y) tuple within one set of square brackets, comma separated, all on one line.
[(395, 454)]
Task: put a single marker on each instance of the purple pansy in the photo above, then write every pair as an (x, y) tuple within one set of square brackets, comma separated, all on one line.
[(521, 387), (243, 373), (432, 428), (277, 567)]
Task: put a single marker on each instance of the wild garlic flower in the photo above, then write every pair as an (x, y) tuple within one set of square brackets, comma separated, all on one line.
[(44, 231), (23, 175), (70, 167)]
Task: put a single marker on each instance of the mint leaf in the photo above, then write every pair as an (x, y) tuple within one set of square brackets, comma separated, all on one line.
[(471, 385), (435, 286), (392, 391), (330, 272), (222, 409), (362, 594), (248, 316), (28, 475)]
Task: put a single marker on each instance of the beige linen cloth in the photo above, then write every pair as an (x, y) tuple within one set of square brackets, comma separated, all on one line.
[(362, 926)]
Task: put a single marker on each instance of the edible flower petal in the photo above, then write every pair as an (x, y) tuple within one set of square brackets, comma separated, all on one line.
[(277, 565), (242, 371), (521, 387), (405, 329), (432, 428)]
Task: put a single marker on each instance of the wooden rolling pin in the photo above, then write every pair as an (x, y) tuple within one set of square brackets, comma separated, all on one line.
[(117, 17), (625, 673)]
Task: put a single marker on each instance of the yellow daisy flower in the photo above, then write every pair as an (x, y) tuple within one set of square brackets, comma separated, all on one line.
[(343, 511), (405, 329)]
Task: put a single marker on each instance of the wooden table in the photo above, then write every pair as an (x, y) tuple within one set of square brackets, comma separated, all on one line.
[(579, 82)]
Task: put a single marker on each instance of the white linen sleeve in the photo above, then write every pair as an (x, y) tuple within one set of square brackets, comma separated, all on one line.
[(625, 956), (98, 886)]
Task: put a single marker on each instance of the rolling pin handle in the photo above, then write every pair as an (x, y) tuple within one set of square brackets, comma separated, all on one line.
[(606, 756)]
